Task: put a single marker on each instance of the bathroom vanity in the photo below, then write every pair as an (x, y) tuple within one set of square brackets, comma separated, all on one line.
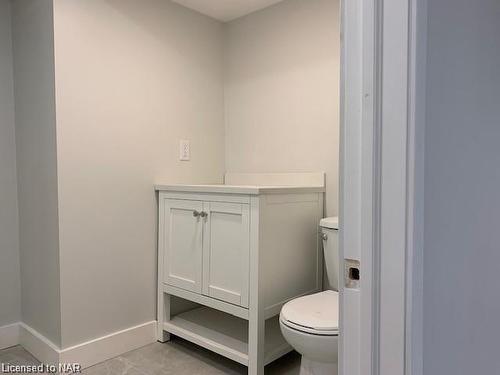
[(230, 256)]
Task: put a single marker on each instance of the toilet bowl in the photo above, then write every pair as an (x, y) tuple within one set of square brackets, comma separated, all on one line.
[(310, 324)]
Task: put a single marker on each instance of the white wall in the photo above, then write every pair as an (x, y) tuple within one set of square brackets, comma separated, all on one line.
[(36, 165), (282, 91), (462, 185), (132, 78), (10, 290), (104, 91)]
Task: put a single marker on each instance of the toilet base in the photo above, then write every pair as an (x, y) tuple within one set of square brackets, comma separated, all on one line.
[(308, 367)]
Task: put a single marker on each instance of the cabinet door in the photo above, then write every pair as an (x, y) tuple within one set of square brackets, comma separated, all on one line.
[(182, 231), (226, 245)]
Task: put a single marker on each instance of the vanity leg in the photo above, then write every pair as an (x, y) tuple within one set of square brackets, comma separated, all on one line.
[(256, 320), (163, 315), (256, 326)]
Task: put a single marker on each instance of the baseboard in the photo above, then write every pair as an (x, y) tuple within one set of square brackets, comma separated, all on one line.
[(103, 348), (38, 345), (91, 352), (9, 335)]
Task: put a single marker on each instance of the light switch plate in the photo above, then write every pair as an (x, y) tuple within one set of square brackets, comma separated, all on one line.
[(184, 150)]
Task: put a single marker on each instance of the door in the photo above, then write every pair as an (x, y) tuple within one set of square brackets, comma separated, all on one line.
[(183, 244), (226, 244)]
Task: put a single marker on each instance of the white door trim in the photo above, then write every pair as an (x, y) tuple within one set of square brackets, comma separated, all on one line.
[(417, 64), (382, 165)]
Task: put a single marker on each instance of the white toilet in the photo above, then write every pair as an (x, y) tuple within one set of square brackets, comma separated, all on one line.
[(310, 324)]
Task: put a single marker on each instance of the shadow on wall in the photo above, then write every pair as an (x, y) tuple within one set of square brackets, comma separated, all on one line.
[(289, 36), (166, 22)]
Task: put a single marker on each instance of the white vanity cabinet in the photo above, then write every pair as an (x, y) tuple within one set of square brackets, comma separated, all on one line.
[(206, 247), (229, 257)]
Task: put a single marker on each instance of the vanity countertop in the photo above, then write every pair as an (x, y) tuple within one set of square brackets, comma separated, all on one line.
[(240, 189)]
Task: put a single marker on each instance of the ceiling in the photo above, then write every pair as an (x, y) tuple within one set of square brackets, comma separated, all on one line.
[(226, 10)]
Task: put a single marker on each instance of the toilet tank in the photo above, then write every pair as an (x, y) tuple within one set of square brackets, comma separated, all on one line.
[(329, 228)]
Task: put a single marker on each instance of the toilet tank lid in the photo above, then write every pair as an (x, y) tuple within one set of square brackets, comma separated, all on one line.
[(329, 222)]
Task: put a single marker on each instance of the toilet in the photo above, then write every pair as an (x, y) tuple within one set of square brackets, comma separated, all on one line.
[(310, 324)]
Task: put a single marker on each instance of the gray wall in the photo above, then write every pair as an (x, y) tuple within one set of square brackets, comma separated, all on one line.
[(126, 80), (462, 189), (282, 70), (132, 79), (32, 32), (9, 236)]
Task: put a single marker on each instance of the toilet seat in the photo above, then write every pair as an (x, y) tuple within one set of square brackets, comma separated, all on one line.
[(316, 314)]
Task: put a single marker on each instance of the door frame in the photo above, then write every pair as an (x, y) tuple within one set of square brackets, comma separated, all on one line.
[(381, 193)]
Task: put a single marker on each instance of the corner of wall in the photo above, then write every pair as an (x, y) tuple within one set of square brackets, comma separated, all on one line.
[(32, 39), (10, 311)]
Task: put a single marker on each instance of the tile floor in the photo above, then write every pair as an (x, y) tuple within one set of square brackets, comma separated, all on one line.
[(177, 357)]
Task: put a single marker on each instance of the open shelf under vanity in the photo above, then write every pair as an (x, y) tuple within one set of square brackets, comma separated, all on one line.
[(225, 334)]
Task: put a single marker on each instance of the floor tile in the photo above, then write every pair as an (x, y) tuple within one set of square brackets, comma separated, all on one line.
[(17, 356), (177, 357)]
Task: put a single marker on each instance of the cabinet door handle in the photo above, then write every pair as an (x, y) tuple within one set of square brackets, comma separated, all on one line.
[(203, 214), (196, 213)]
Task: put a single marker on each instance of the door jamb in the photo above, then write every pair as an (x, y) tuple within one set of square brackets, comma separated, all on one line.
[(383, 102)]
